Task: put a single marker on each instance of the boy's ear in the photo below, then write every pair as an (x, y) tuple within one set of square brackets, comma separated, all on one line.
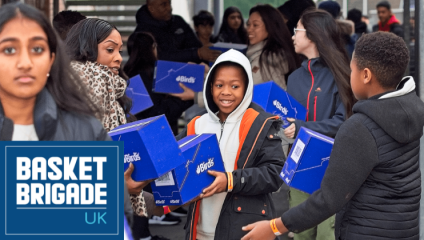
[(367, 75)]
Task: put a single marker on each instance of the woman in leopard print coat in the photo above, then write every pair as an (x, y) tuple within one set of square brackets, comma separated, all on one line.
[(94, 45)]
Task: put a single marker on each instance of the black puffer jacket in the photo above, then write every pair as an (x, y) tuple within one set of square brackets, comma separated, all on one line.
[(54, 124), (176, 40), (373, 180)]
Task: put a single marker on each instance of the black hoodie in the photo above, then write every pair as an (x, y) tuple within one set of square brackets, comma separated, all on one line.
[(373, 181), (176, 40)]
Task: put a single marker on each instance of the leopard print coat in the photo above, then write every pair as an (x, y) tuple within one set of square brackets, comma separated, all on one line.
[(138, 204), (105, 89)]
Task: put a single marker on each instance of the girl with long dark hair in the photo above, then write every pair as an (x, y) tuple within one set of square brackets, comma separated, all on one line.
[(94, 46), (271, 52), (322, 85), (142, 49), (40, 95), (232, 28)]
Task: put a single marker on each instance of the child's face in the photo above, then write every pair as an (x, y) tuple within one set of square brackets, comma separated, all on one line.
[(25, 59), (204, 31), (228, 89), (357, 81)]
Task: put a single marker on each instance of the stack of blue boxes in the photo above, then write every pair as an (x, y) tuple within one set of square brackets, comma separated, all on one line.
[(307, 161), (168, 76), (273, 99), (140, 97), (182, 168)]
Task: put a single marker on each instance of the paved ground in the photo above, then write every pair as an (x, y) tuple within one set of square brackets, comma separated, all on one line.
[(177, 232)]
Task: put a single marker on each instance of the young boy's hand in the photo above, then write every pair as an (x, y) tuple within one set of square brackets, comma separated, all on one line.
[(290, 130), (218, 186), (259, 231)]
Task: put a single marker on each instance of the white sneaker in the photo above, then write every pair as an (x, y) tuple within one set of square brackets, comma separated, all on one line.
[(164, 220)]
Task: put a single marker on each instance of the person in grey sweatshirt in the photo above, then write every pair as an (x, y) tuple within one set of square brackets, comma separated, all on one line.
[(373, 181)]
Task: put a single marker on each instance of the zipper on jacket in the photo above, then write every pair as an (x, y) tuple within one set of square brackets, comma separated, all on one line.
[(312, 86), (315, 109), (222, 130)]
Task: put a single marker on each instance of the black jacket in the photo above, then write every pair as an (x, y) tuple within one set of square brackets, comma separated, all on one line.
[(176, 40), (166, 104), (54, 124), (395, 28), (314, 82), (373, 180)]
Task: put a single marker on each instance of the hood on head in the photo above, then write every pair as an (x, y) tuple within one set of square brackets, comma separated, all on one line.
[(235, 57), (399, 113)]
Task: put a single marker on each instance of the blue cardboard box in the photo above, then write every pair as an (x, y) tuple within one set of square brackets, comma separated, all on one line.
[(273, 99), (223, 47), (307, 161), (150, 146), (188, 180), (168, 75), (140, 97)]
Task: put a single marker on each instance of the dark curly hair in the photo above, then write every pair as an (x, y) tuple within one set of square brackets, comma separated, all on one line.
[(204, 18), (385, 54)]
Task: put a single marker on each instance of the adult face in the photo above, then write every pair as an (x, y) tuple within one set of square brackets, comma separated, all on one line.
[(25, 59), (234, 21), (384, 14), (160, 9), (109, 52), (256, 28)]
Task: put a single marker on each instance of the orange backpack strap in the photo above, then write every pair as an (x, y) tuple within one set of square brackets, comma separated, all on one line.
[(191, 130), (245, 125)]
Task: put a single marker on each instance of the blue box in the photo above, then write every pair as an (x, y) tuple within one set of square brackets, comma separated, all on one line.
[(223, 47), (307, 161), (168, 75), (150, 145), (187, 181), (273, 99), (140, 97)]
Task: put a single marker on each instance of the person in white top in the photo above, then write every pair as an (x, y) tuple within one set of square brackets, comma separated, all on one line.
[(250, 147)]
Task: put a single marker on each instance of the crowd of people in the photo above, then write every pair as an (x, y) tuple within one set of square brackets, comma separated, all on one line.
[(66, 82)]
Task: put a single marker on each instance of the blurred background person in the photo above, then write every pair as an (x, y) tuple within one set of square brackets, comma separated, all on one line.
[(387, 20), (270, 52), (65, 20), (232, 28), (176, 40), (203, 25), (292, 10)]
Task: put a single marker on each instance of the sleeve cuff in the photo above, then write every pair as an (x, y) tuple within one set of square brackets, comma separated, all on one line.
[(229, 181)]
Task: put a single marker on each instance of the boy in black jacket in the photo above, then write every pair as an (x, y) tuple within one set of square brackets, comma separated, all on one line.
[(373, 181)]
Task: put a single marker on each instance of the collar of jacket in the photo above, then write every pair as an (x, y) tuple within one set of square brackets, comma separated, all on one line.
[(143, 16), (255, 49), (45, 115), (316, 64)]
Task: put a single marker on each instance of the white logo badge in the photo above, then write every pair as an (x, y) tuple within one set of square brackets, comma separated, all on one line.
[(132, 158), (205, 166), (185, 79), (280, 107)]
